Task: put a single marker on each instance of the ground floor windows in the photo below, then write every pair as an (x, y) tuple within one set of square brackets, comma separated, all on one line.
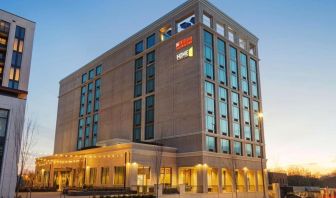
[(226, 180), (166, 176), (143, 178), (92, 176), (105, 175), (4, 116), (119, 175)]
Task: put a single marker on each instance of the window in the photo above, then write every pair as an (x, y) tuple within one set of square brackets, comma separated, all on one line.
[(166, 176), (165, 33), (4, 26), (4, 116), (97, 95), (139, 47), (87, 132), (252, 49), (234, 68), (209, 106), (221, 61), (211, 143), (236, 130), (93, 175), (99, 70), (258, 151), (220, 29), (242, 43), (105, 175), (91, 74), (185, 23), (14, 76), (224, 127), (150, 72), (149, 128), (231, 35), (82, 101), (253, 69), (138, 77), (151, 41), (89, 98), (208, 55), (20, 32), (84, 78), (207, 20), (95, 129), (246, 103), (248, 150), (247, 132), (137, 121), (225, 146), (237, 148), (119, 175)]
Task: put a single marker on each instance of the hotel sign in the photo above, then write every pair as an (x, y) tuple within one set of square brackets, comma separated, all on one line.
[(184, 43), (185, 54)]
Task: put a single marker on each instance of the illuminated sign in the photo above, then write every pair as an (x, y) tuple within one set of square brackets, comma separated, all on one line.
[(185, 54), (184, 43)]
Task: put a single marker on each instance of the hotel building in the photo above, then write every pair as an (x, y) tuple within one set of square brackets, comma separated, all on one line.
[(16, 43), (178, 103)]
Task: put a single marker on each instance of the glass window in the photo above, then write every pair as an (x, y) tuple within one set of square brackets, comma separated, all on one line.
[(185, 23), (247, 132), (207, 20), (91, 74), (257, 134), (149, 128), (236, 130), (209, 89), (98, 70), (151, 41), (84, 78), (222, 76), (237, 148), (255, 106), (247, 117), (105, 175), (209, 72), (3, 122), (235, 99), (20, 32), (224, 127), (210, 123), (210, 105), (119, 175), (223, 109), (246, 103), (139, 47), (208, 55), (165, 33), (211, 143), (138, 63), (258, 151), (220, 29), (222, 96), (231, 35), (150, 57), (248, 150), (242, 43), (225, 146), (252, 49)]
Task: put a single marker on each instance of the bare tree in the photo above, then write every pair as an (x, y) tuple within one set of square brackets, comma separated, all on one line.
[(24, 131), (158, 162)]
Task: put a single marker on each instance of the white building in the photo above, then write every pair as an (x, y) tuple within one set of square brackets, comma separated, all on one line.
[(16, 43)]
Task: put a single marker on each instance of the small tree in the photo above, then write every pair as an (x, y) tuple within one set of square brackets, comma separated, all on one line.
[(24, 131)]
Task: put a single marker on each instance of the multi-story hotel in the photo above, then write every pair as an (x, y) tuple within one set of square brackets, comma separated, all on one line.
[(16, 43), (177, 103)]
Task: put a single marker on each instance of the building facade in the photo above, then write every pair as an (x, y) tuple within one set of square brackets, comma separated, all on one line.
[(16, 42), (188, 82)]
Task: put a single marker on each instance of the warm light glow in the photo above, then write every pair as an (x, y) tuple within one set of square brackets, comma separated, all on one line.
[(260, 115), (245, 169)]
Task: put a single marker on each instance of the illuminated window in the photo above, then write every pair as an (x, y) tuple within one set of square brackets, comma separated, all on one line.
[(165, 33), (185, 23), (166, 176), (119, 175), (14, 76), (105, 175), (92, 176)]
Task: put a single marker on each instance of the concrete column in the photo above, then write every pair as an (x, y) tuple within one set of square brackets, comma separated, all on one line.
[(158, 190), (51, 176), (132, 175), (59, 177), (276, 190), (202, 180), (245, 181), (220, 184)]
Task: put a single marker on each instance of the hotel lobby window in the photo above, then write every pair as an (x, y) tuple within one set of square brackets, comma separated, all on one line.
[(93, 175), (211, 143), (105, 175), (166, 176), (119, 173)]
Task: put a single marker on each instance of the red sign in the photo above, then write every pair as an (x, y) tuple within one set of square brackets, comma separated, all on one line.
[(184, 43)]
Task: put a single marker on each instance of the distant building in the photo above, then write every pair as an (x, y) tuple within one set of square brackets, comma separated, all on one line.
[(16, 43), (280, 178), (190, 82)]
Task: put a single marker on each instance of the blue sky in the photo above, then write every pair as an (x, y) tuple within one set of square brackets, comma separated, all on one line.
[(296, 48)]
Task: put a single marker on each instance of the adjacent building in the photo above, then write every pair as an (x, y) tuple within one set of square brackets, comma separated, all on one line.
[(16, 43), (178, 103)]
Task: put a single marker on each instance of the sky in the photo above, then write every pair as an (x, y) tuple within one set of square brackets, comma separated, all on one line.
[(296, 46)]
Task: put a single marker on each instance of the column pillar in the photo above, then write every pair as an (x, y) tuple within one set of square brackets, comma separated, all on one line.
[(202, 180), (132, 175), (220, 182)]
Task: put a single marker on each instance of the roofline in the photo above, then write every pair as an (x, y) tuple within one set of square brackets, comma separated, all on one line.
[(228, 18), (153, 25), (17, 16)]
